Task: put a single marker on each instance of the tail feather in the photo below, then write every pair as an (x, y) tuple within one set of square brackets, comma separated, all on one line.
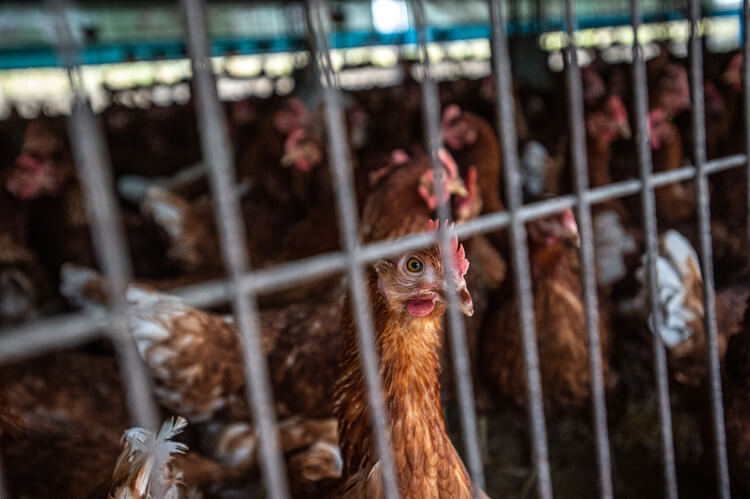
[(142, 470)]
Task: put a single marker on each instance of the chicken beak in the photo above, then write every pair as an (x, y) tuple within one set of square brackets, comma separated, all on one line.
[(464, 297), (624, 130), (457, 187), (291, 157)]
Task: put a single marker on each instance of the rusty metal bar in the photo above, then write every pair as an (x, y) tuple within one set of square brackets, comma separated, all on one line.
[(217, 152), (93, 167), (645, 166), (588, 273), (347, 213), (706, 251), (455, 321), (520, 254)]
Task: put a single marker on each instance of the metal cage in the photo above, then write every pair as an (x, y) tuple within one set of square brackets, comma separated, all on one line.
[(243, 284)]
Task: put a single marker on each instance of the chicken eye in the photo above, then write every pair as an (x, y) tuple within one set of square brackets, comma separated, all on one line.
[(414, 265)]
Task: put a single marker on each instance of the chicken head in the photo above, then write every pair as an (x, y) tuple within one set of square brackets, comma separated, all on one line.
[(417, 284)]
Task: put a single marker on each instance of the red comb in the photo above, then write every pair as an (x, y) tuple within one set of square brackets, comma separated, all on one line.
[(399, 157), (460, 262), (451, 169), (451, 113), (294, 138), (617, 107)]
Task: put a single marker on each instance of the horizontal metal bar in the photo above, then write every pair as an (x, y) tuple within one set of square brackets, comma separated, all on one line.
[(281, 276), (47, 334)]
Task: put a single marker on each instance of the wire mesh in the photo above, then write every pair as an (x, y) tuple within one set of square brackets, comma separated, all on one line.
[(243, 284), (91, 160), (217, 151), (645, 167), (458, 344), (347, 215), (588, 277), (706, 253), (520, 254)]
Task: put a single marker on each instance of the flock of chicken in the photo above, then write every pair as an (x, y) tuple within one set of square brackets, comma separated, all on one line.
[(63, 414)]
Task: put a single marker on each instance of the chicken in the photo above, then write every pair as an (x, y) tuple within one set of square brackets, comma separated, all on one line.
[(145, 468), (403, 201), (195, 356), (56, 216), (737, 405), (25, 291), (311, 446), (57, 409), (408, 301), (612, 241), (674, 202), (680, 286), (153, 465), (474, 144), (560, 323)]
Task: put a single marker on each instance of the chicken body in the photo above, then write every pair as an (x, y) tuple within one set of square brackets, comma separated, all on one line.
[(737, 405), (559, 319), (408, 310), (62, 408)]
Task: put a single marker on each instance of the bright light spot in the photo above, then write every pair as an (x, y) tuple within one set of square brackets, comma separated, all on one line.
[(244, 65), (384, 56), (284, 85), (390, 16)]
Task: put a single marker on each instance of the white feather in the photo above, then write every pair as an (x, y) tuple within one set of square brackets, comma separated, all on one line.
[(677, 257), (73, 280), (612, 242), (142, 464), (534, 167)]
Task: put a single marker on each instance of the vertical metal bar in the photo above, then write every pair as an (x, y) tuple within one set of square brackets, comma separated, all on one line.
[(92, 163), (459, 349), (520, 254), (746, 98), (704, 226), (645, 167), (588, 276), (217, 152), (347, 214)]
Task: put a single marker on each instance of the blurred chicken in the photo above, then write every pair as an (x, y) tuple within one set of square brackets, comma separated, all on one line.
[(670, 97), (403, 201), (145, 467), (24, 288), (680, 286), (311, 445), (57, 409), (737, 405), (195, 356), (408, 299), (44, 176), (475, 146), (560, 323)]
